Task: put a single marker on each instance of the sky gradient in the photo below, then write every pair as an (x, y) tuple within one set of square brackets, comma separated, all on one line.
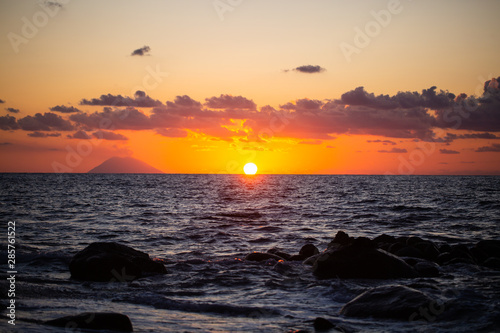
[(205, 86)]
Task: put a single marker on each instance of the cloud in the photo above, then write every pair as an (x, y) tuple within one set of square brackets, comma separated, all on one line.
[(53, 4), (128, 118), (394, 151), (309, 69), (8, 123), (311, 142), (5, 143), (230, 102), (172, 132), (494, 148), (140, 100), (45, 122), (447, 151), (43, 135), (2, 101), (12, 110), (64, 109), (142, 51), (106, 135), (79, 135), (384, 142)]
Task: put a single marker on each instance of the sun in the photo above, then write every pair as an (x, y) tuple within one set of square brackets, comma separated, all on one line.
[(250, 169)]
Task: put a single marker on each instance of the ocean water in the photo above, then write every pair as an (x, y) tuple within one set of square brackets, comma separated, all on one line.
[(202, 226)]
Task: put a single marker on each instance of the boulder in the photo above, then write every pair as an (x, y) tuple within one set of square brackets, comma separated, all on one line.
[(260, 256), (279, 253), (308, 250), (393, 301), (109, 262), (322, 324), (95, 321), (359, 261)]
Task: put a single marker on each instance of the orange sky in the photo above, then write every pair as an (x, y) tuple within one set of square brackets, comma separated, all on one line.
[(323, 87)]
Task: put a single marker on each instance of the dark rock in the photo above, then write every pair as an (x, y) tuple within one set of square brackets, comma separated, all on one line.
[(443, 248), (322, 324), (394, 248), (402, 240), (426, 268), (491, 247), (396, 301), (361, 262), (444, 258), (459, 260), (341, 238), (260, 256), (311, 260), (95, 321), (409, 251), (279, 253), (413, 240), (384, 239), (479, 254), (363, 242), (492, 263), (109, 261), (428, 249), (297, 257), (308, 250)]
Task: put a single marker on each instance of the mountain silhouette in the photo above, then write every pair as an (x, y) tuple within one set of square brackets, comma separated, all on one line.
[(124, 165)]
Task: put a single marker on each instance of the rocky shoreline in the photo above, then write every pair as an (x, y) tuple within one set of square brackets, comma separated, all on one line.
[(384, 257)]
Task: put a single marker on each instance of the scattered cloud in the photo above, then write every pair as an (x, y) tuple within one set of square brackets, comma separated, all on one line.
[(12, 110), (45, 122), (311, 142), (64, 109), (230, 102), (141, 51), (448, 151), (8, 123), (53, 4), (494, 148), (384, 142), (79, 135), (107, 135), (43, 135), (394, 151), (2, 101), (309, 69), (172, 132), (128, 118), (5, 143), (140, 100)]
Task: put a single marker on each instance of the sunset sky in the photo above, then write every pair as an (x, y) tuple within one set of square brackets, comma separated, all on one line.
[(205, 86)]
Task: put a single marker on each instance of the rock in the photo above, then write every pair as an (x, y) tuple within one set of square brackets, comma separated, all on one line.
[(384, 239), (427, 269), (341, 238), (428, 249), (260, 256), (393, 301), (355, 261), (492, 263), (308, 250), (279, 253), (413, 240), (409, 251), (311, 260), (491, 247), (95, 321), (322, 324), (109, 261)]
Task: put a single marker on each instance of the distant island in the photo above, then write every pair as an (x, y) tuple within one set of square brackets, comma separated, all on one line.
[(124, 165)]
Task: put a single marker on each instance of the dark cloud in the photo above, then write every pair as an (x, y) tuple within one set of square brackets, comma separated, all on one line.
[(8, 123), (128, 118), (5, 143), (45, 122), (43, 135), (64, 109), (384, 142), (53, 4), (309, 69), (450, 137), (230, 102), (142, 51), (2, 101), (12, 110), (494, 148), (394, 151), (183, 101), (140, 100), (447, 151), (172, 132), (106, 135), (79, 135)]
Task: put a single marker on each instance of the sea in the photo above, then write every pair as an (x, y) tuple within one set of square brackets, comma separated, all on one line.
[(202, 227)]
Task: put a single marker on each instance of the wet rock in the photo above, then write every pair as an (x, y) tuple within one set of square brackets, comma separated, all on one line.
[(413, 240), (341, 238), (311, 260), (359, 261), (109, 261), (308, 250), (279, 253), (428, 249), (322, 324), (410, 251), (395, 301), (384, 239), (427, 269), (492, 263), (490, 247), (260, 256), (95, 321)]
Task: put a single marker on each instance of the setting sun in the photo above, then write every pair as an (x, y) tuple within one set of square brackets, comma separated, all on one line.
[(250, 169)]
